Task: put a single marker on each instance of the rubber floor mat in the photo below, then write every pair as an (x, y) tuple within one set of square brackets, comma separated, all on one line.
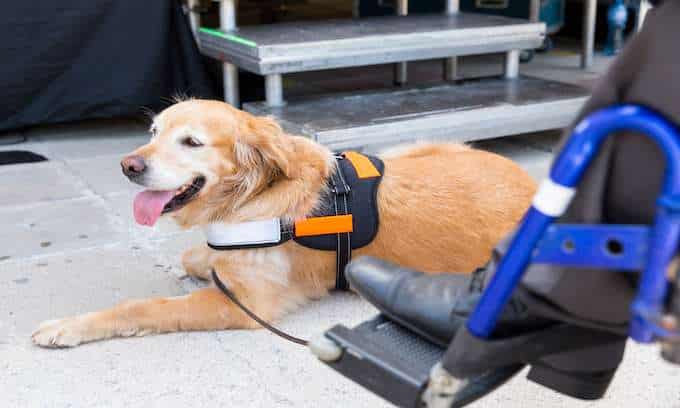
[(20, 156)]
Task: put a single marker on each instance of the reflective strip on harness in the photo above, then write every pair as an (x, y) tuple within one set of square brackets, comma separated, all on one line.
[(246, 233), (362, 165), (334, 224)]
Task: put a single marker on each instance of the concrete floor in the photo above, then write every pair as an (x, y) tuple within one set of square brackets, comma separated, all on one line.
[(68, 245)]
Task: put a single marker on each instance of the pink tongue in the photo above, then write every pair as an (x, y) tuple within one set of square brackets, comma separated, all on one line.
[(148, 206)]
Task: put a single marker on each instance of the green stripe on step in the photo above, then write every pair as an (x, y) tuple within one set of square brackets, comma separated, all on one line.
[(230, 37)]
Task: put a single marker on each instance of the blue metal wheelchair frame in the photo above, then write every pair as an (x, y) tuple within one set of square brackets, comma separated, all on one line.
[(621, 248)]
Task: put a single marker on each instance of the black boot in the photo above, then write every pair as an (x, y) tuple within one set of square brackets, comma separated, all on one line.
[(575, 359), (434, 306)]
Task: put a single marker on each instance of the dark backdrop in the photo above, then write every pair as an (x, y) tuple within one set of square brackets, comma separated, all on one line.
[(75, 59)]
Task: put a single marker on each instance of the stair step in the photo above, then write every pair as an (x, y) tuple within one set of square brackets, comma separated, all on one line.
[(305, 46), (474, 110)]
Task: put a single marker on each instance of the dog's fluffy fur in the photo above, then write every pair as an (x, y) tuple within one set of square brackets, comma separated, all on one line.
[(442, 208)]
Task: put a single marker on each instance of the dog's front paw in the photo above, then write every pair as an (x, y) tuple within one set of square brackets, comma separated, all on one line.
[(59, 333)]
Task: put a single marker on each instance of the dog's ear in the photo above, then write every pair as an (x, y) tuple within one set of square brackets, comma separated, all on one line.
[(263, 145)]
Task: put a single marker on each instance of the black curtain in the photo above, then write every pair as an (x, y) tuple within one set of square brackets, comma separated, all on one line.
[(73, 59)]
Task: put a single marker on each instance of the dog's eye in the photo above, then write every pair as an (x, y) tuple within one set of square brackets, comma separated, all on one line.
[(191, 142)]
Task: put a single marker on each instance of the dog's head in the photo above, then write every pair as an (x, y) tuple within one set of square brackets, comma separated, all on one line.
[(205, 158)]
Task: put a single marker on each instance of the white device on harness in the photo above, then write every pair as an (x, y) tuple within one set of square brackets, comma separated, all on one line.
[(262, 232)]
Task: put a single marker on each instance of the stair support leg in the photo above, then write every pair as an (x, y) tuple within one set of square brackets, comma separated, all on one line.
[(401, 68), (511, 64), (451, 64), (229, 71), (588, 46), (273, 85)]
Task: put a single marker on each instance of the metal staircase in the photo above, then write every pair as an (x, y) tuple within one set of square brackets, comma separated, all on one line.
[(465, 111)]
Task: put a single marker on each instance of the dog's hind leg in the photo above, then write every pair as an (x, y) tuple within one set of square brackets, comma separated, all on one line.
[(204, 309)]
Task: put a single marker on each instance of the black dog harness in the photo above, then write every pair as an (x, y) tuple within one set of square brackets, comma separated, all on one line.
[(351, 196), (346, 218)]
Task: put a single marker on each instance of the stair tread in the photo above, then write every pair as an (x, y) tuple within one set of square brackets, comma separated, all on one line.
[(463, 111), (303, 46)]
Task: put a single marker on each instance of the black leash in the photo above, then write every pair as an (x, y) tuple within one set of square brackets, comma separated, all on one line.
[(221, 286)]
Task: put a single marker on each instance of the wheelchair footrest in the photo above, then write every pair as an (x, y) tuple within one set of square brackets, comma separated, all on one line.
[(386, 359)]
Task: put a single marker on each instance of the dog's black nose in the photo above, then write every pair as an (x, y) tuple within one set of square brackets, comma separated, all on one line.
[(133, 166)]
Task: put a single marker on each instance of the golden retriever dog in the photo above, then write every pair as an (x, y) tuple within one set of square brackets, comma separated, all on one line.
[(442, 208)]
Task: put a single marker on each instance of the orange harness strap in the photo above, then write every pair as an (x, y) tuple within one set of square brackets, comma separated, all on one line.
[(362, 165), (337, 224), (334, 224)]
